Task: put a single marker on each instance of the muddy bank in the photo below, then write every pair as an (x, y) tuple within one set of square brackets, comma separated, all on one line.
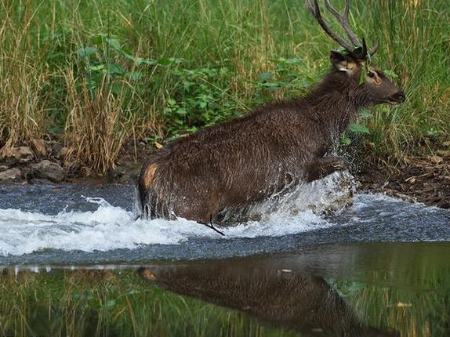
[(423, 179), (420, 179)]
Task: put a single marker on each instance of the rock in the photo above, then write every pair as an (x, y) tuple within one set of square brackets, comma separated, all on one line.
[(22, 153), (48, 170), (3, 168), (39, 148), (56, 149), (62, 153), (13, 174), (115, 174)]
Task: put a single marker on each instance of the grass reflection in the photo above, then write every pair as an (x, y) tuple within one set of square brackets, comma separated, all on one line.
[(393, 288)]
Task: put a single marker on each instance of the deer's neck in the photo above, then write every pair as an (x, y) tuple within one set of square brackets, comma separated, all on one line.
[(335, 102)]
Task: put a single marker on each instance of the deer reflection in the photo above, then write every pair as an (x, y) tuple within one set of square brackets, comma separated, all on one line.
[(286, 298)]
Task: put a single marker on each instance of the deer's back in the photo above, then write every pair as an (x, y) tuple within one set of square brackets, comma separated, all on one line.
[(244, 159)]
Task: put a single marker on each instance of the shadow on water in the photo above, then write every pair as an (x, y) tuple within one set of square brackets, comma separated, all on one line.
[(385, 289)]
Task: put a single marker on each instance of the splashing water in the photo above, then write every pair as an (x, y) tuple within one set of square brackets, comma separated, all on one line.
[(46, 221), (111, 227)]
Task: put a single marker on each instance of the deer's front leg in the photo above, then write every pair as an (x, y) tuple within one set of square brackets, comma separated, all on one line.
[(322, 167)]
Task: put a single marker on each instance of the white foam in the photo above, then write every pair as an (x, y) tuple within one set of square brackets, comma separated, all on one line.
[(110, 227)]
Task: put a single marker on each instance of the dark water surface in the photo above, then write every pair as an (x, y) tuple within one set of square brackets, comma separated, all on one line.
[(333, 290)]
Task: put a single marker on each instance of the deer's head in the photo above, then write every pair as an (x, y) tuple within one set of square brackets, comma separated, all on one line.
[(353, 62)]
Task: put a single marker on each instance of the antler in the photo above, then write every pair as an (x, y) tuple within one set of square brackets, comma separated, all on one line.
[(315, 10), (374, 49), (354, 43), (343, 20)]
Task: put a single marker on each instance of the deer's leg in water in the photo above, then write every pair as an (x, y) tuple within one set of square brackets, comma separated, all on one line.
[(201, 208), (322, 167)]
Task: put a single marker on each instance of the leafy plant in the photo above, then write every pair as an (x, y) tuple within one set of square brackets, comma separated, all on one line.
[(357, 129), (285, 78), (199, 98), (107, 59)]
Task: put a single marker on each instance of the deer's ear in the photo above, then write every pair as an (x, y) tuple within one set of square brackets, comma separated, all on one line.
[(342, 62), (336, 57)]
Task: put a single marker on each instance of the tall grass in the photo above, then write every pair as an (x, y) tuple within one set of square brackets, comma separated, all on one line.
[(154, 70), (414, 38), (22, 78), (95, 124)]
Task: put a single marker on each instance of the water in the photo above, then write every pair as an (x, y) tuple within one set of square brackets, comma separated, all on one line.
[(79, 263), (353, 290), (76, 224)]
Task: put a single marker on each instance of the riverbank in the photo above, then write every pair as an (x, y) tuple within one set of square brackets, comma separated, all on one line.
[(424, 178), (48, 161)]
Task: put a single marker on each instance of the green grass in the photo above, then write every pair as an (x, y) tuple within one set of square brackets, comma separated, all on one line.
[(100, 73)]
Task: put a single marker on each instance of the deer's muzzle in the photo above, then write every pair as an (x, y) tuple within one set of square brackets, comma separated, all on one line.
[(398, 97)]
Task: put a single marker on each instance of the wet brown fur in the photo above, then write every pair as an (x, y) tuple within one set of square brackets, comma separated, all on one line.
[(149, 175), (234, 164)]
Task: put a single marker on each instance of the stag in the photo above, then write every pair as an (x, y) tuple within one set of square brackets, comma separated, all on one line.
[(246, 160)]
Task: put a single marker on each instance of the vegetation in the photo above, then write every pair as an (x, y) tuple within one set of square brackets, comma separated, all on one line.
[(97, 74)]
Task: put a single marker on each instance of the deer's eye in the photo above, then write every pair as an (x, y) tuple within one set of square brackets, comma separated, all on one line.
[(371, 74)]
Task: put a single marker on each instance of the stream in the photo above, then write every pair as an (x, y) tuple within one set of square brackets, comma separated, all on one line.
[(380, 267)]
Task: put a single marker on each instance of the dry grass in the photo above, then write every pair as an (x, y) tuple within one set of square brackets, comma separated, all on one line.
[(22, 79), (95, 127)]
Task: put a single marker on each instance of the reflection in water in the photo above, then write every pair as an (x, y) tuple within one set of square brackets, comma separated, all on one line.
[(288, 298), (402, 286)]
